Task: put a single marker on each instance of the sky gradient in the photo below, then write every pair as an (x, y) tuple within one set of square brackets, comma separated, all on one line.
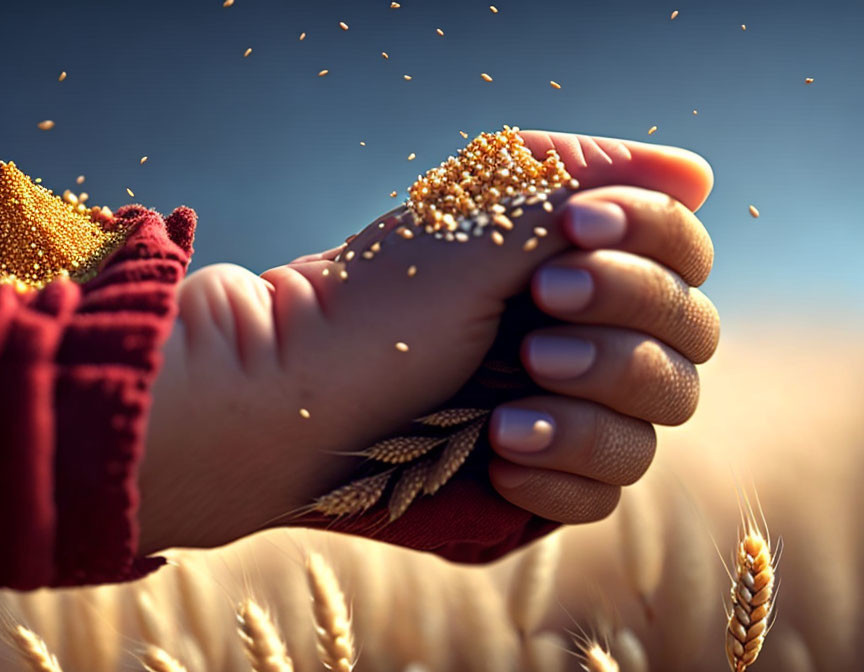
[(269, 154)]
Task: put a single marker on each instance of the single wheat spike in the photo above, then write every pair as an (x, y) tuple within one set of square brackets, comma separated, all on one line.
[(332, 622), (34, 651), (454, 455), (407, 488), (155, 659), (450, 417), (752, 595), (532, 585), (264, 648), (356, 497), (402, 449)]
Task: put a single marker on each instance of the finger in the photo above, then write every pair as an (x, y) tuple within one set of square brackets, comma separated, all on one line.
[(573, 436), (327, 255), (627, 371), (596, 161), (554, 495), (619, 289), (647, 223)]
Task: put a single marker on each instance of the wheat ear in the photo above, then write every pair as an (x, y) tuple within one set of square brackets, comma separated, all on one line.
[(752, 595), (332, 622), (402, 449), (155, 659), (34, 651), (458, 449), (264, 648), (532, 585), (450, 417), (356, 497), (407, 488)]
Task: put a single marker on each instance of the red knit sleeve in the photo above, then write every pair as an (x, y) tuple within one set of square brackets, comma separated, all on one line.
[(77, 363)]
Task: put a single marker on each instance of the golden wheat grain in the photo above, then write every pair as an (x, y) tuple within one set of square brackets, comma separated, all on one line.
[(453, 456), (597, 659), (752, 596), (356, 497), (642, 546), (332, 621), (450, 417), (532, 585), (628, 650), (155, 659), (407, 488), (402, 449), (34, 651), (264, 648)]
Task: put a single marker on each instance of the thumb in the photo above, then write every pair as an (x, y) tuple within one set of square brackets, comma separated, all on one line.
[(597, 162)]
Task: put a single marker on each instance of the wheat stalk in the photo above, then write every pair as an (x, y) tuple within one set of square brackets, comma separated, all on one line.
[(264, 648), (34, 651), (454, 455), (332, 622), (450, 417), (402, 449), (356, 497), (752, 595), (407, 488), (532, 585), (155, 659)]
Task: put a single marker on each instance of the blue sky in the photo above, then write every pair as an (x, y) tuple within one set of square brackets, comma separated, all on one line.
[(269, 153)]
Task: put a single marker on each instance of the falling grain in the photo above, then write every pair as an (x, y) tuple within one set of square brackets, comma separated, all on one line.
[(402, 449), (228, 3), (485, 77), (695, 112), (743, 26), (412, 271), (497, 238), (407, 488), (808, 80), (33, 650), (394, 194), (265, 650), (80, 179), (356, 497), (652, 130), (754, 212), (302, 37), (674, 15), (554, 84), (412, 156), (463, 134), (332, 623), (343, 25), (130, 192), (395, 5), (440, 32), (155, 659), (247, 52), (407, 78), (46, 125), (323, 73), (62, 76), (458, 449), (493, 9), (143, 160), (385, 55), (531, 244), (304, 413), (402, 347)]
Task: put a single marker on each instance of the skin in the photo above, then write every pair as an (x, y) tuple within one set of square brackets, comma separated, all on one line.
[(228, 451)]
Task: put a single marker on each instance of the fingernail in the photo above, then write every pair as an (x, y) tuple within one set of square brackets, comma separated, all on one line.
[(565, 289), (522, 430), (559, 357), (595, 224)]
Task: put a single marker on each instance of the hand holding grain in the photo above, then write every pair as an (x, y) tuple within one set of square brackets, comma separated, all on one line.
[(266, 377)]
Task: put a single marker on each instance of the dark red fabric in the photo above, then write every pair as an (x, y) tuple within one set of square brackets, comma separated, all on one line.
[(76, 366)]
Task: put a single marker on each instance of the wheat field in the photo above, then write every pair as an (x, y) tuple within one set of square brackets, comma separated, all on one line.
[(780, 413)]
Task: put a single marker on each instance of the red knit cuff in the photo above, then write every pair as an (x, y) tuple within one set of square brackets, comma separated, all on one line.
[(106, 364)]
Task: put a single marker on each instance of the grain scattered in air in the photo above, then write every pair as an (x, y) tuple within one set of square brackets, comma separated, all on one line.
[(407, 78), (674, 15), (129, 191), (405, 232), (497, 238), (395, 5), (493, 9), (46, 125), (343, 25), (754, 212), (80, 179), (554, 84), (412, 156), (394, 194), (652, 130), (323, 73), (143, 160), (62, 76), (228, 3), (362, 143), (463, 134), (531, 244), (343, 275), (302, 36), (247, 52), (695, 112), (305, 414), (402, 347), (540, 232), (743, 26), (385, 55), (486, 78), (440, 32), (808, 80), (349, 255), (412, 271), (547, 206)]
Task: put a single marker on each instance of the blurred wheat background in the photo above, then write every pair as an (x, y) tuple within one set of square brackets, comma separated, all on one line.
[(780, 411)]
